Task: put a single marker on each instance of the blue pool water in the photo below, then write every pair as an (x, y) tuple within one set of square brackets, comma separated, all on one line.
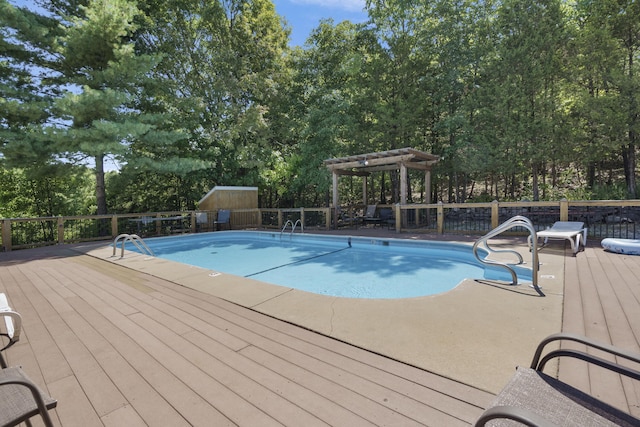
[(355, 267)]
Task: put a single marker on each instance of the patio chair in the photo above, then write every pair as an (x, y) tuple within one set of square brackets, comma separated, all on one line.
[(21, 399), (534, 398), (12, 326), (347, 218), (202, 221), (573, 231), (387, 218), (370, 215), (224, 217)]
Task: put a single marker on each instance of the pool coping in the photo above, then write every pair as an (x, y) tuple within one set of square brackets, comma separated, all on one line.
[(476, 333)]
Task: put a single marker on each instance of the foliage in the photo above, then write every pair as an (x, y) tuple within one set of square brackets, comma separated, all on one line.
[(25, 195), (522, 99)]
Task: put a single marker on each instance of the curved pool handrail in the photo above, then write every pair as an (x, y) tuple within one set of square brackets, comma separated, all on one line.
[(133, 238), (293, 229), (285, 226), (516, 221), (115, 242)]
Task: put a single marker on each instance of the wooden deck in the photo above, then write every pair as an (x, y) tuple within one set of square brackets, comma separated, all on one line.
[(602, 301), (118, 347)]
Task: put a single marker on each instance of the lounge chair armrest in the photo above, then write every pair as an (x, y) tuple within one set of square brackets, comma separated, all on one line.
[(539, 361), (514, 413), (13, 324)]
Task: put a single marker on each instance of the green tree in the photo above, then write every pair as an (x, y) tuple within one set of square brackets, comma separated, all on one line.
[(595, 105), (622, 19), (26, 94), (222, 67), (521, 85), (102, 108), (329, 72)]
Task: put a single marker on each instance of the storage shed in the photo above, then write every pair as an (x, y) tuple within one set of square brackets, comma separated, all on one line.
[(224, 197)]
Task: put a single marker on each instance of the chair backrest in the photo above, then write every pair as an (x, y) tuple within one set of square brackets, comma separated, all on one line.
[(223, 216), (371, 211), (386, 213), (201, 218), (22, 399)]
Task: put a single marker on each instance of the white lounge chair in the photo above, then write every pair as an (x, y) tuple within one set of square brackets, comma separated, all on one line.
[(20, 398), (573, 231), (12, 326)]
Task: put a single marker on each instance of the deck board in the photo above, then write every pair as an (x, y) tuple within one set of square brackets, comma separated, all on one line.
[(118, 347), (602, 301)]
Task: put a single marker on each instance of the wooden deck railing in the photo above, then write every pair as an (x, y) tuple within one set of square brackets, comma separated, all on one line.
[(604, 218)]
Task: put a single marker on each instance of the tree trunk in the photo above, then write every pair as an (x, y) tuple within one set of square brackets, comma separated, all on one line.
[(101, 196), (629, 157), (535, 188)]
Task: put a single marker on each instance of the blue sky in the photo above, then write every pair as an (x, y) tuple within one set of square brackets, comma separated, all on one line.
[(305, 15), (302, 16)]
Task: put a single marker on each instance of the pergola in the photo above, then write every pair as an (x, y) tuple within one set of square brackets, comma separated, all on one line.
[(401, 159)]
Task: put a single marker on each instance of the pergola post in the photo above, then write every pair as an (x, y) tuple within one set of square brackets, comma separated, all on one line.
[(364, 190), (403, 183), (427, 186), (335, 198), (335, 189)]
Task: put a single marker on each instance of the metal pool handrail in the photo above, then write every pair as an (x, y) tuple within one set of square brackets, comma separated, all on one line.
[(133, 238), (516, 221), (293, 226)]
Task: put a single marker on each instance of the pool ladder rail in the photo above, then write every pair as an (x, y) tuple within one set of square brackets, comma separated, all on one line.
[(137, 242), (516, 221), (293, 227)]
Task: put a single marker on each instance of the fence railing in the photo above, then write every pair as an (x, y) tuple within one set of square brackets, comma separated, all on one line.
[(610, 218), (604, 218), (20, 233)]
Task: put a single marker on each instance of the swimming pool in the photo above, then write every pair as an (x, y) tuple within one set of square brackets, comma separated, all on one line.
[(356, 267)]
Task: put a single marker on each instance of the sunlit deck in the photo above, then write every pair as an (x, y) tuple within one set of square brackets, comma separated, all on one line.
[(121, 347)]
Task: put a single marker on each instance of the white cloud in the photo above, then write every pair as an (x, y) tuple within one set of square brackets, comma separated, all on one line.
[(348, 5)]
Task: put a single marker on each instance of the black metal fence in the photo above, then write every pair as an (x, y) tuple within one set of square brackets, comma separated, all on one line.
[(602, 218)]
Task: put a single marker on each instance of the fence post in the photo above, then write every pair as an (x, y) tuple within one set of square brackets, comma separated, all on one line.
[(564, 210), (193, 221), (397, 213), (6, 235), (302, 217), (327, 217), (495, 217), (440, 217), (114, 226), (60, 230)]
